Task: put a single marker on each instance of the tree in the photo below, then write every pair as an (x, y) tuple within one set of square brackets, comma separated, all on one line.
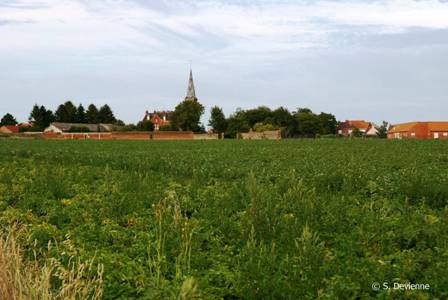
[(261, 114), (120, 123), (281, 117), (127, 127), (304, 110), (8, 119), (105, 115), (308, 124), (328, 123), (145, 125), (81, 114), (237, 123), (168, 127), (92, 114), (186, 116), (261, 127), (66, 113), (382, 130), (217, 120), (41, 117), (356, 133)]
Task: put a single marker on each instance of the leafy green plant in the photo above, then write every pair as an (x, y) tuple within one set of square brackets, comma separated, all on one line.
[(295, 219)]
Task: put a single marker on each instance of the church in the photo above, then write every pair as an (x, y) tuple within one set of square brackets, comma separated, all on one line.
[(163, 118)]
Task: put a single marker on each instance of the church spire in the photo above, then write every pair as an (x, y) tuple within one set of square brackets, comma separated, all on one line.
[(191, 93)]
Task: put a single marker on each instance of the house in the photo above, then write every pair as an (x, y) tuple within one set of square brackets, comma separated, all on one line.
[(59, 128), (419, 130), (163, 118), (9, 129), (367, 129), (158, 118)]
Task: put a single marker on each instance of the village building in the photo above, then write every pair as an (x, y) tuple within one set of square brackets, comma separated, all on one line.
[(9, 129), (191, 92), (367, 129), (158, 118), (419, 130), (59, 128), (163, 118)]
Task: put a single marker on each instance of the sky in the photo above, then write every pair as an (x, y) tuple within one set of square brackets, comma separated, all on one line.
[(358, 59)]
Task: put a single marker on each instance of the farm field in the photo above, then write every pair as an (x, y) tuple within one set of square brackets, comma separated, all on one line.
[(232, 219)]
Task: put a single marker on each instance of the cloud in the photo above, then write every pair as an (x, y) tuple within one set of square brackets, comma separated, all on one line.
[(239, 25), (330, 55)]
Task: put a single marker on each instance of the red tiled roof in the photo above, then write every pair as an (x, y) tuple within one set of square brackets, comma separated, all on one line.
[(438, 126), (11, 128), (360, 124), (432, 126), (403, 127)]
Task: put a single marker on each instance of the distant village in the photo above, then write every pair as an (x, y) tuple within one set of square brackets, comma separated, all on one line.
[(183, 123)]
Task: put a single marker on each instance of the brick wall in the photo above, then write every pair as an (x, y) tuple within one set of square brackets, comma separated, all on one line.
[(172, 135), (131, 135), (125, 135)]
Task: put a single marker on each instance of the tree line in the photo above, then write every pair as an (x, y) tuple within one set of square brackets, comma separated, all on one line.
[(41, 117), (186, 117), (300, 123)]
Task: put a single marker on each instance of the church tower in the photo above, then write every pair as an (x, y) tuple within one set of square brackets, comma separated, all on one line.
[(191, 93)]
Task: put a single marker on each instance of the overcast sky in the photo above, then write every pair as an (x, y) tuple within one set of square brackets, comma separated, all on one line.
[(372, 59)]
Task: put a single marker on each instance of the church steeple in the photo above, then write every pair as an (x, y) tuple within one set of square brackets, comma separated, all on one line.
[(191, 93)]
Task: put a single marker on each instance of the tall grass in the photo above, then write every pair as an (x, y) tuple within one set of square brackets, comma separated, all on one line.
[(21, 279), (189, 290), (171, 224)]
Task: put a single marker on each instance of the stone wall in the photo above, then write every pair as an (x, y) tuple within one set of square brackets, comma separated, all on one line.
[(206, 136), (265, 135)]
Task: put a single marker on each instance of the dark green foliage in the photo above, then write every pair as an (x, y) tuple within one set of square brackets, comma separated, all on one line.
[(66, 113), (291, 219), (167, 128), (41, 117), (308, 123), (127, 127), (69, 113), (105, 115), (282, 117), (92, 116), (328, 123), (81, 114), (356, 133), (382, 130), (145, 125), (261, 114), (237, 123), (187, 115), (303, 123), (8, 119), (217, 120), (119, 123)]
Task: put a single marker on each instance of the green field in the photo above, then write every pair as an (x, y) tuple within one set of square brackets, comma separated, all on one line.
[(298, 219)]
